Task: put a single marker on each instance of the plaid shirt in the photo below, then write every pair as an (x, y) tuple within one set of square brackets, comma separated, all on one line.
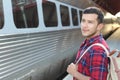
[(95, 62)]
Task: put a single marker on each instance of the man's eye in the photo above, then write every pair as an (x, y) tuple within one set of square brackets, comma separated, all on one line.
[(82, 20), (90, 22)]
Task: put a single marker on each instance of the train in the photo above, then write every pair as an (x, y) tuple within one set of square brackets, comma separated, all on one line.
[(39, 38)]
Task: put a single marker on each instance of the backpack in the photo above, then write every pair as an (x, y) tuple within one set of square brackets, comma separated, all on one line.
[(114, 66)]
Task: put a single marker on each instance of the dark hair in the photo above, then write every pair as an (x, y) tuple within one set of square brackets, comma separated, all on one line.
[(94, 10)]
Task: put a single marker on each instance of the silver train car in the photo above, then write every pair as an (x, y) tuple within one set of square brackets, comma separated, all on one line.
[(38, 38)]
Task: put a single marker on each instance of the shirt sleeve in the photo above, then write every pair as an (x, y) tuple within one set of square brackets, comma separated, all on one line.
[(98, 64)]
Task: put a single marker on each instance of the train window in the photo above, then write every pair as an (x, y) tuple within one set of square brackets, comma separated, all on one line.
[(64, 12), (50, 14), (1, 15), (74, 17), (25, 13), (80, 15)]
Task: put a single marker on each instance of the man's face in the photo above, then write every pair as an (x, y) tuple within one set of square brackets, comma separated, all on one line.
[(89, 25)]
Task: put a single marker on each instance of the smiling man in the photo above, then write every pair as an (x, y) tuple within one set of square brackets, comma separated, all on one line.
[(94, 64)]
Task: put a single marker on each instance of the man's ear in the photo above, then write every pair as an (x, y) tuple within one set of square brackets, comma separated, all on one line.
[(100, 26)]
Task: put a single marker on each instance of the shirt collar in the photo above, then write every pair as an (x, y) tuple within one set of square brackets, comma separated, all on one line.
[(94, 39)]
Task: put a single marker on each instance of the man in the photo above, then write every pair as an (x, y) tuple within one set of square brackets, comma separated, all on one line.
[(94, 64)]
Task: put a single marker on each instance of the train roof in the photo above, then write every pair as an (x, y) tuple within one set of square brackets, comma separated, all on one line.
[(112, 6)]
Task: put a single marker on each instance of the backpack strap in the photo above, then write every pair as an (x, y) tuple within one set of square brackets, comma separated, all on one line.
[(96, 44), (115, 65)]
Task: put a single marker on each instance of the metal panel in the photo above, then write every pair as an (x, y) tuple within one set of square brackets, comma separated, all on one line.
[(24, 51)]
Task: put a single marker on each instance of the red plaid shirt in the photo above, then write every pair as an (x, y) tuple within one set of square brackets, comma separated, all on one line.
[(95, 62)]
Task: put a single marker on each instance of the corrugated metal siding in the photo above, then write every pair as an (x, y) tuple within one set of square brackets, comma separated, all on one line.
[(18, 52)]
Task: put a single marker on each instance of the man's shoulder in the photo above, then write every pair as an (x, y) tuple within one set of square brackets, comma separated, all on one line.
[(103, 42), (98, 49)]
